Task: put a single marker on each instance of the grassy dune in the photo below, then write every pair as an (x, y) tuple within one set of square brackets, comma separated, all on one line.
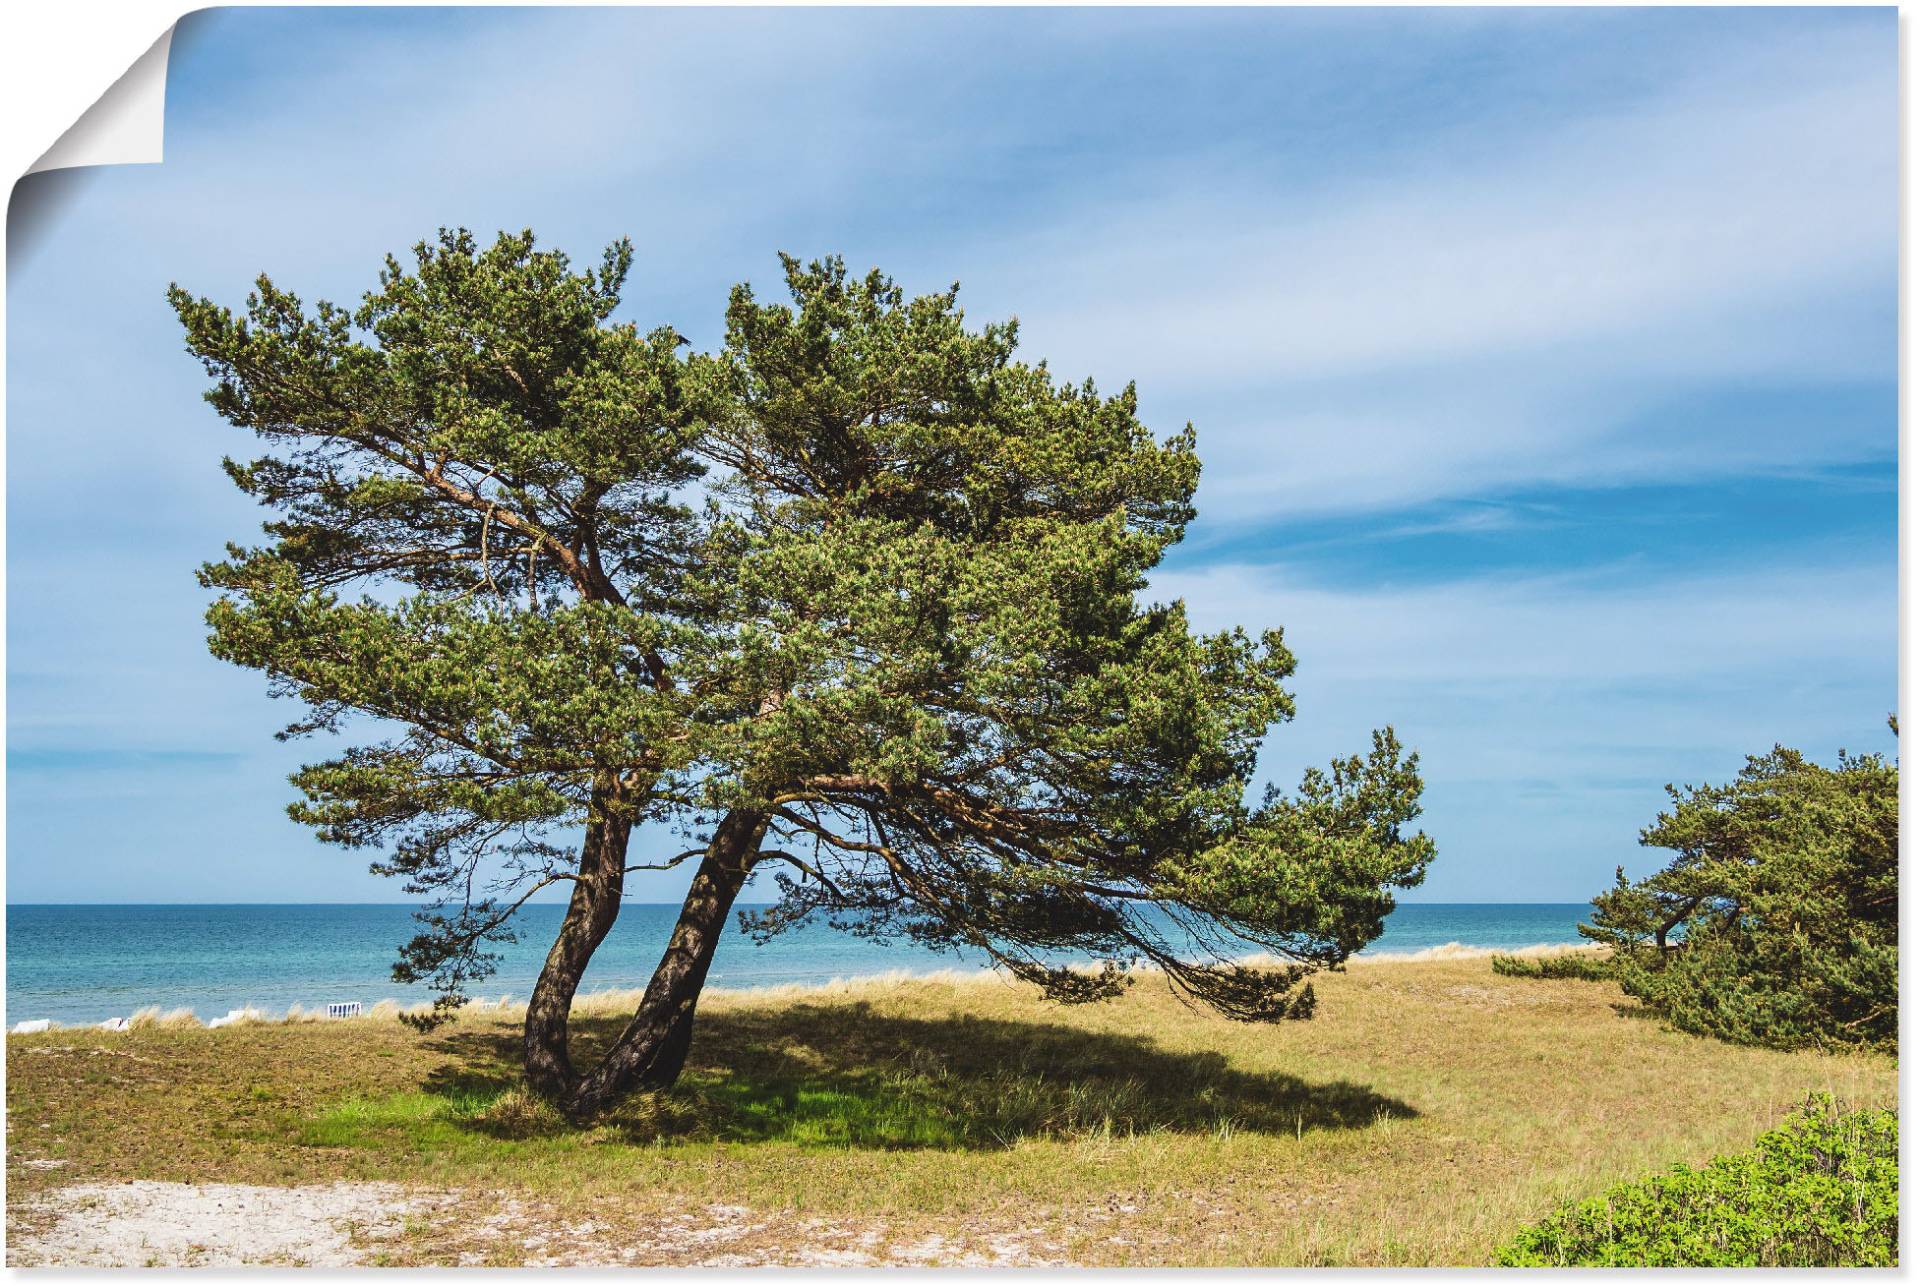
[(1427, 1112)]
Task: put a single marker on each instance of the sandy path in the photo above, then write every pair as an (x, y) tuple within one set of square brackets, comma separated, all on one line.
[(152, 1224), (216, 1225)]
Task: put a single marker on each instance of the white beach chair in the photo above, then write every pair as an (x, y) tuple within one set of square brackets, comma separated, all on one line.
[(344, 1009)]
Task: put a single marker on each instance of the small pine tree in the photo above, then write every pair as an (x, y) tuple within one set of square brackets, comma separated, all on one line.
[(1776, 923)]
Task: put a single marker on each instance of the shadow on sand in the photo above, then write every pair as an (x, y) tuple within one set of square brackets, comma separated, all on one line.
[(845, 1074)]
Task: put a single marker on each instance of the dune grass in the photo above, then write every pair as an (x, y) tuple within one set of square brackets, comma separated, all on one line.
[(1428, 1112)]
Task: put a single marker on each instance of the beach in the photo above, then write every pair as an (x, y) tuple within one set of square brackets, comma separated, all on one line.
[(85, 964), (1428, 1110)]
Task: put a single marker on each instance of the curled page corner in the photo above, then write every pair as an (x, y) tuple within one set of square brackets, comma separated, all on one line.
[(126, 125)]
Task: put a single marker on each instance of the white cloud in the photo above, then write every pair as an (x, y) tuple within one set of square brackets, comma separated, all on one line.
[(1581, 630), (1585, 677), (1717, 197), (1441, 329), (1480, 318), (1550, 712)]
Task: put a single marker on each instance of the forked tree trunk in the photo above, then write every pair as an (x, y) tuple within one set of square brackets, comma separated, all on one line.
[(650, 1052)]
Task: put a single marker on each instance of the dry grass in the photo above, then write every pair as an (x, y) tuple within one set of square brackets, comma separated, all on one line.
[(1424, 1115)]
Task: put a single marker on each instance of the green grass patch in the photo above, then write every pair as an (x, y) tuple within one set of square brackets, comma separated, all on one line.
[(421, 1117), (1585, 965), (851, 1077)]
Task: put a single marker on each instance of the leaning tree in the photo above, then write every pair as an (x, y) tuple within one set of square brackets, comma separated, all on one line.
[(858, 598), (1777, 922)]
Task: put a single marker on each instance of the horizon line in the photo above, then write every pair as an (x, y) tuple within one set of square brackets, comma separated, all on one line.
[(11, 905)]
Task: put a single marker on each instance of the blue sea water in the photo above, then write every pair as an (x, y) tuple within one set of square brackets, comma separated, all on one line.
[(85, 963)]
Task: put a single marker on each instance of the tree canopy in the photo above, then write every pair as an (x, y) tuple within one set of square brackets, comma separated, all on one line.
[(1777, 921), (860, 595)]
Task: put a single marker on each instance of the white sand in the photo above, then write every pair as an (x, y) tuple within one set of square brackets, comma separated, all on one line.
[(152, 1224), (216, 1225), (1455, 951)]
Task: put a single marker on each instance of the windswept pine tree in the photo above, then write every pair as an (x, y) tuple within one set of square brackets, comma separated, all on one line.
[(859, 597), (1777, 922)]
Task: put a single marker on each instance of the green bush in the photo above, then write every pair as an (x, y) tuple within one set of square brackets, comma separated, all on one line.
[(1820, 1191), (1777, 922), (1573, 964)]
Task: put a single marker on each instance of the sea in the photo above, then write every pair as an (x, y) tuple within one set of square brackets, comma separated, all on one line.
[(82, 964)]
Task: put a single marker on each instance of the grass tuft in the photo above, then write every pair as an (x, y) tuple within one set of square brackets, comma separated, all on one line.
[(1589, 966)]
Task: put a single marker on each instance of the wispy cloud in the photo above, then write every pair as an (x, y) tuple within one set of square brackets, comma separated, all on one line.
[(1595, 629), (1468, 519), (1624, 231), (1550, 712), (1540, 314)]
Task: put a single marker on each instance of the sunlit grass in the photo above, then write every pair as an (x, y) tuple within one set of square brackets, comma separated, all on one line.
[(1427, 1112)]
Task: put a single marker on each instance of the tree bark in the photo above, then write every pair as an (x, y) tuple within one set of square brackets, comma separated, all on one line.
[(590, 915), (650, 1052)]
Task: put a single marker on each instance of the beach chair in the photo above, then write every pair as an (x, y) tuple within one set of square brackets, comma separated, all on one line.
[(236, 1016), (344, 1009)]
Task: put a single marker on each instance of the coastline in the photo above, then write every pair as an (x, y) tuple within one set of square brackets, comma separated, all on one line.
[(86, 964), (607, 999)]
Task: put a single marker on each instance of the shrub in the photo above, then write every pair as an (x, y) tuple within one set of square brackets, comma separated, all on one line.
[(1777, 922), (1822, 1190), (1587, 965)]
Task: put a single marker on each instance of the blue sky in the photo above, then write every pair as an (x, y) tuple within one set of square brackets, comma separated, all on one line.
[(1543, 361)]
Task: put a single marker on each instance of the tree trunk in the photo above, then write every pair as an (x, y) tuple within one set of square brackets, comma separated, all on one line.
[(590, 914), (650, 1052)]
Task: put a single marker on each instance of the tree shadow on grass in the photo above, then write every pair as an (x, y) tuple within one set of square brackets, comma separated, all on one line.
[(843, 1074)]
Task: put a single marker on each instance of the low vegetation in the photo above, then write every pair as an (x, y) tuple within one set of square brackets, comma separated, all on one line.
[(1777, 921), (1776, 924), (1430, 1111), (1820, 1191), (1590, 966)]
